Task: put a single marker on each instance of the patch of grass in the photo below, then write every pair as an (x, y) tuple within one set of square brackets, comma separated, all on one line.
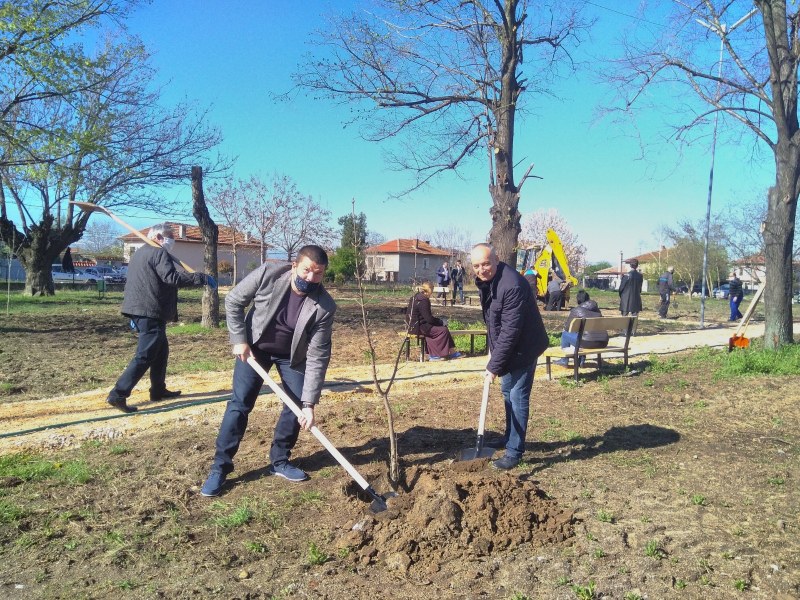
[(699, 500), (653, 550), (633, 596), (519, 596), (605, 517), (316, 556), (118, 449), (6, 387), (757, 361), (659, 366), (326, 472), (256, 547), (10, 512), (188, 329), (127, 584), (199, 365), (599, 553), (585, 592), (680, 584), (32, 467), (701, 404), (776, 480), (741, 585), (562, 581), (587, 494), (230, 519)]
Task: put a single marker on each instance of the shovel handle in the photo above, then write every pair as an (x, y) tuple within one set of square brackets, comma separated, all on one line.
[(484, 404), (90, 207), (317, 433)]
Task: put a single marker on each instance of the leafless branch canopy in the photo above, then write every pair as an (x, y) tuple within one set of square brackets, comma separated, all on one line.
[(441, 72)]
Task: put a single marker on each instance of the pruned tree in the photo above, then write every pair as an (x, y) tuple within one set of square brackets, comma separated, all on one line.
[(229, 199), (210, 232), (456, 240), (116, 146), (741, 223), (299, 220), (753, 87), (534, 231), (447, 75)]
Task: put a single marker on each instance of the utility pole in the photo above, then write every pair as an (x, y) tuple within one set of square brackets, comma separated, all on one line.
[(722, 31)]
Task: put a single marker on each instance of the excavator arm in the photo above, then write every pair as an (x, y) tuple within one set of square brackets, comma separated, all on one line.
[(550, 257)]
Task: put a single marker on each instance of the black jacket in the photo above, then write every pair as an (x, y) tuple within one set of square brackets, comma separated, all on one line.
[(516, 333), (589, 309), (418, 315), (152, 286), (735, 288)]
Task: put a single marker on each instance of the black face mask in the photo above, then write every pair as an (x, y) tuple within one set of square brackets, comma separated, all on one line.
[(303, 286)]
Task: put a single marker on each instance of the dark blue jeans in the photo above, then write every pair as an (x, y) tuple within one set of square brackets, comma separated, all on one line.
[(246, 386), (735, 302), (152, 353), (516, 388), (458, 288)]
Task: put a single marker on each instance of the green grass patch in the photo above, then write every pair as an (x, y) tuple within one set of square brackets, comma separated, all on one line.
[(757, 361), (191, 329), (10, 512), (462, 341), (31, 467)]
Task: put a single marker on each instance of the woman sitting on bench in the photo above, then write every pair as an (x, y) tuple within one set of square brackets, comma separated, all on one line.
[(591, 339), (421, 321)]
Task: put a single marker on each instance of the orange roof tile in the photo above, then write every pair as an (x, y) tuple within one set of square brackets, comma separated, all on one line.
[(406, 246), (192, 234)]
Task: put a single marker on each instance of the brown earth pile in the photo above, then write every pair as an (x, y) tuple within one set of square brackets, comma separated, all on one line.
[(448, 522)]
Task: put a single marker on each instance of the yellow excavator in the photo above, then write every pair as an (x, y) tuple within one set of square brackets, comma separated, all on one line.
[(539, 260)]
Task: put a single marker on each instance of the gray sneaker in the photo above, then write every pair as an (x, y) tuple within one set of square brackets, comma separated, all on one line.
[(287, 471), (505, 463)]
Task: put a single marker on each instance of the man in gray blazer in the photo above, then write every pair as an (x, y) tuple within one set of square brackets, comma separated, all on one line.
[(289, 325)]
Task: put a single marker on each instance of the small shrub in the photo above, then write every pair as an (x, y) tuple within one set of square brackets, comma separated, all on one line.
[(741, 584), (698, 499), (653, 550), (316, 556), (9, 512), (585, 592), (605, 517)]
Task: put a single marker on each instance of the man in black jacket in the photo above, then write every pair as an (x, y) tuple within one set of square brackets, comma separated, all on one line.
[(630, 290), (151, 299), (735, 295), (665, 289), (516, 338)]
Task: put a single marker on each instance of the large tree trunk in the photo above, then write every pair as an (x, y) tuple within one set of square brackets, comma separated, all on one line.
[(210, 236), (505, 223), (778, 242)]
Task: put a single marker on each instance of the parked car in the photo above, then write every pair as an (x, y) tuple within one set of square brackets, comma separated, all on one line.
[(108, 274), (722, 291), (60, 275)]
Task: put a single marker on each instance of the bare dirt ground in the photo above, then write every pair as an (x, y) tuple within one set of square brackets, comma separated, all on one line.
[(661, 483)]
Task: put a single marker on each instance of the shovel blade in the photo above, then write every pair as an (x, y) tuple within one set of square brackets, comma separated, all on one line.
[(738, 341), (379, 503), (475, 453)]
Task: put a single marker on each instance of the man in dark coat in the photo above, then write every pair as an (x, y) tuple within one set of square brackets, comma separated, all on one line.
[(151, 299), (457, 275), (665, 289), (516, 337), (630, 290), (735, 295)]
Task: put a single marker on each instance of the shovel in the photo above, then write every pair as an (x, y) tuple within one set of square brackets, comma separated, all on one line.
[(378, 501), (738, 340), (479, 451), (89, 207)]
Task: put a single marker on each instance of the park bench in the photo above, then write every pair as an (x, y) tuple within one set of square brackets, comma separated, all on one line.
[(420, 339), (625, 326)]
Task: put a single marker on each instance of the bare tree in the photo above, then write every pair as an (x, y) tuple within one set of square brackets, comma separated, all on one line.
[(755, 87), (229, 199), (262, 202), (299, 220), (741, 223), (534, 231), (100, 236), (454, 239), (447, 74), (120, 146)]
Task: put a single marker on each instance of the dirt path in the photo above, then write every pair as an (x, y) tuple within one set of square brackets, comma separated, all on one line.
[(204, 394)]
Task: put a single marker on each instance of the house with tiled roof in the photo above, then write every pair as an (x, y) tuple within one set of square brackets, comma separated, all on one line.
[(404, 260), (189, 248)]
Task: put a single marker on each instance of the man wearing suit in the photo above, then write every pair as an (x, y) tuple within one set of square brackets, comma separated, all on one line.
[(289, 326)]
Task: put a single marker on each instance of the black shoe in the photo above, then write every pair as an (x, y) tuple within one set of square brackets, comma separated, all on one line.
[(122, 405), (164, 395)]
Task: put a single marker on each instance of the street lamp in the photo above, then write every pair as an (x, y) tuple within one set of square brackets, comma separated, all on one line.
[(721, 30)]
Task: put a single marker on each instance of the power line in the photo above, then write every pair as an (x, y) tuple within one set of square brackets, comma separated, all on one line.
[(624, 14)]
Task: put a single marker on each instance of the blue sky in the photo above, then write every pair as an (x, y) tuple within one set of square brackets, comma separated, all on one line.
[(232, 56)]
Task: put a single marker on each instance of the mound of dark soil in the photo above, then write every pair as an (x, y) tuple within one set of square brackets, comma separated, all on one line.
[(449, 519)]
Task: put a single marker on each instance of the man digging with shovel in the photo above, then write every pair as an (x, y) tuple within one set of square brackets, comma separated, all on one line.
[(289, 326), (516, 337)]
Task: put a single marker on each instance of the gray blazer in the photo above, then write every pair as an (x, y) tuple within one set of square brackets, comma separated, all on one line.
[(311, 343)]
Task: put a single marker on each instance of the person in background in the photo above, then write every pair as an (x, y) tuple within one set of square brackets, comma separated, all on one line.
[(554, 285), (443, 280), (630, 290), (516, 338), (420, 321), (665, 289), (150, 300), (587, 308), (735, 295), (289, 325), (457, 277)]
